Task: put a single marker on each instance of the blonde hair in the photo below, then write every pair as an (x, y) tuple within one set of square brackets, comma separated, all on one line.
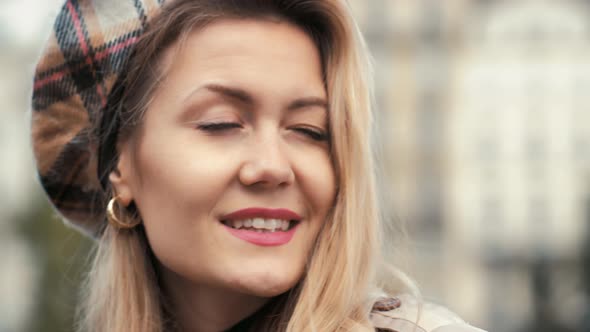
[(341, 279)]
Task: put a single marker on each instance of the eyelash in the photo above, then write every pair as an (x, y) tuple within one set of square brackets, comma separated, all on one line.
[(222, 126), (218, 126), (313, 134)]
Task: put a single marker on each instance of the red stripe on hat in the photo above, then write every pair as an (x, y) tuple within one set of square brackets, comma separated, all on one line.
[(99, 56), (51, 78), (78, 26), (84, 47), (115, 48)]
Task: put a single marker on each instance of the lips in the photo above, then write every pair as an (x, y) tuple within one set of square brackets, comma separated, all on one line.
[(264, 213), (262, 226)]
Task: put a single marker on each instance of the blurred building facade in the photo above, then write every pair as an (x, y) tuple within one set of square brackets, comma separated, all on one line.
[(487, 149)]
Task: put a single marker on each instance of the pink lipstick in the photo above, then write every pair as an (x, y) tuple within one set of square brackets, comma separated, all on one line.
[(276, 237), (257, 212)]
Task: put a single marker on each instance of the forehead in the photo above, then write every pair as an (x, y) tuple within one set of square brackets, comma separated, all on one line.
[(257, 54)]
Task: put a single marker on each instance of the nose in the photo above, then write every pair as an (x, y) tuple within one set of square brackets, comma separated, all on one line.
[(266, 164)]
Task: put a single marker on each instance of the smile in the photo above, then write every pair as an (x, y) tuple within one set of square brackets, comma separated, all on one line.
[(260, 224)]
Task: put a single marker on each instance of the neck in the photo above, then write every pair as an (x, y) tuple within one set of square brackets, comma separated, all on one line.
[(200, 308)]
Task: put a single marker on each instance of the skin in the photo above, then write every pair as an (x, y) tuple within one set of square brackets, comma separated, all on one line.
[(264, 78)]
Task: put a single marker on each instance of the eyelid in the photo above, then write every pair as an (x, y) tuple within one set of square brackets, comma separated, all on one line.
[(211, 111), (311, 127), (315, 133), (218, 125)]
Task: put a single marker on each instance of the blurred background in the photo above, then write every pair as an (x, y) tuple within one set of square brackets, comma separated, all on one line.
[(484, 124)]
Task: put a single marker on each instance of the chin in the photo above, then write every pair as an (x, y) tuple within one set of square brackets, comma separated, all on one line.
[(266, 284)]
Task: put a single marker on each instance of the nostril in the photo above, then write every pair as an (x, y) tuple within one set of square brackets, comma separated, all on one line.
[(266, 173)]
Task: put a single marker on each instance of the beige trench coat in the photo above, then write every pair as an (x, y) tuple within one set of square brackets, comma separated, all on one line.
[(405, 314)]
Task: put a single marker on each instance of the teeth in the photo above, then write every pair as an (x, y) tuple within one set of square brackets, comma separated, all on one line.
[(272, 224), (260, 224), (284, 225)]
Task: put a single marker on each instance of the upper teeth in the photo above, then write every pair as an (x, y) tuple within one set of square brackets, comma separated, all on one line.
[(260, 223)]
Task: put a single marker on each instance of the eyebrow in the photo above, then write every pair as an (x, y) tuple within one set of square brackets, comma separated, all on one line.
[(308, 102), (246, 98), (231, 92)]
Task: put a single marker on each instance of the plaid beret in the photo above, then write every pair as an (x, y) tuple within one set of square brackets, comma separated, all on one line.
[(87, 50)]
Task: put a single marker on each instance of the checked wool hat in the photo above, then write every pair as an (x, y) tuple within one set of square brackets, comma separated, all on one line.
[(86, 52)]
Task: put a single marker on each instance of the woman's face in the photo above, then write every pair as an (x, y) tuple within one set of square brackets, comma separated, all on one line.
[(233, 150)]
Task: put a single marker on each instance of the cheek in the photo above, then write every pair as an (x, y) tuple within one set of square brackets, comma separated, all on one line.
[(176, 194), (178, 186), (318, 181), (181, 175)]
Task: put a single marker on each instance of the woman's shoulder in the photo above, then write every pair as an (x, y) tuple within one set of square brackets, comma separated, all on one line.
[(405, 313)]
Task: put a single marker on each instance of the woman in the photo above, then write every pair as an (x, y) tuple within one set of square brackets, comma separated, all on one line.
[(218, 152)]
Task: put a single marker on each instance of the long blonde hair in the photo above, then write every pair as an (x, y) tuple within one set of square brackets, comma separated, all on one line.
[(122, 293)]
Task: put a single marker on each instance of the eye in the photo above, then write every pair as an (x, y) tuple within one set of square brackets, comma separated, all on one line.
[(314, 134), (218, 126)]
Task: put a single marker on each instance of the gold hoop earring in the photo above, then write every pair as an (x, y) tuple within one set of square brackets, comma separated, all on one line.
[(115, 220)]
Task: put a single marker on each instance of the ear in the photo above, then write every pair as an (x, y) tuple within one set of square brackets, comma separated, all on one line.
[(120, 178)]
